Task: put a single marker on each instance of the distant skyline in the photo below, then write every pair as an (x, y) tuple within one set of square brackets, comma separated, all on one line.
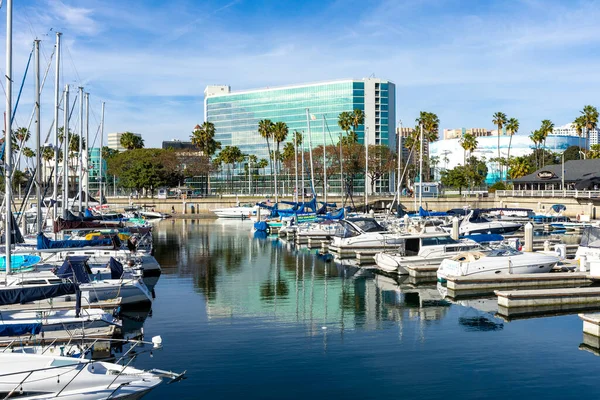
[(462, 59)]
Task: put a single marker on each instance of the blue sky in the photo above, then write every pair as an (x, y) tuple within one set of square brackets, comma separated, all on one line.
[(462, 59)]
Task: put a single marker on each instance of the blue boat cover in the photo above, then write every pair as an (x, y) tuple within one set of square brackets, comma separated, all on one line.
[(337, 215), (559, 207), (20, 329), (26, 294), (261, 226), (44, 243), (116, 269), (76, 269), (88, 213), (19, 261), (425, 213), (484, 237)]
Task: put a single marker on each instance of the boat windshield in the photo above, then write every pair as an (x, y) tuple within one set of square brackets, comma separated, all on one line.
[(480, 219), (369, 225), (435, 241), (590, 237), (346, 230), (503, 252)]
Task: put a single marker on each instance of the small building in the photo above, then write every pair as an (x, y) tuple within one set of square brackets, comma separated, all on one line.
[(578, 174), (430, 189)]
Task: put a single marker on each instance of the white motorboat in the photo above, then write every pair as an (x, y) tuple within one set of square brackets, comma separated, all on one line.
[(426, 249), (475, 222), (37, 376), (503, 260), (356, 233), (589, 247), (240, 212)]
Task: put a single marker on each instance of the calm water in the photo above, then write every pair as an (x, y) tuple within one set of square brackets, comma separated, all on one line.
[(259, 319)]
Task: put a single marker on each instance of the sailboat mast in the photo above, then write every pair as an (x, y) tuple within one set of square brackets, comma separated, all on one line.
[(310, 155), (87, 149), (366, 167), (56, 109), (38, 156), (421, 168), (296, 162), (324, 164), (7, 139), (65, 158), (100, 176), (80, 150)]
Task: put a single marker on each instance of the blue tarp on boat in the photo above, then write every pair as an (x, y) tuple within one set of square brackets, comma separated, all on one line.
[(21, 295), (261, 226), (76, 269), (425, 213), (20, 329), (116, 269), (43, 243)]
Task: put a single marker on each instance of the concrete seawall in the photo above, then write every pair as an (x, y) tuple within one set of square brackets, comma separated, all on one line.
[(206, 205)]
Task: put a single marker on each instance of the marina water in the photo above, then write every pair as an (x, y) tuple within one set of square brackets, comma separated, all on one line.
[(260, 319)]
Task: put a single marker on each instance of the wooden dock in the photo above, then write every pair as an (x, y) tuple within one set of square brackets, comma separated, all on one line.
[(53, 304)]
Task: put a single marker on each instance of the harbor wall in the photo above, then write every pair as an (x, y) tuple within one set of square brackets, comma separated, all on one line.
[(206, 205)]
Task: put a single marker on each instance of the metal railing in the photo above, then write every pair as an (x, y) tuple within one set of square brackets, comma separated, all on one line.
[(557, 193)]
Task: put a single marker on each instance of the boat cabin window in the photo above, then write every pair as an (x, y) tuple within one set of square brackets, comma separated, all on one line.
[(439, 240), (479, 219), (369, 225), (590, 237), (411, 247), (504, 252), (346, 230), (34, 282)]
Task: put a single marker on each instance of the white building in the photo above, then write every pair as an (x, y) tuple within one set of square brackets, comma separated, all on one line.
[(114, 140), (569, 130)]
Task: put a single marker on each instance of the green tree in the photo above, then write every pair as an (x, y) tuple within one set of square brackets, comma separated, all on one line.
[(231, 155), (131, 141), (512, 127), (519, 167), (203, 137), (499, 119), (107, 152), (590, 119), (579, 125), (22, 135), (545, 129), (280, 132), (265, 130), (594, 151), (469, 143), (381, 161), (456, 177), (146, 169), (358, 118), (537, 138), (572, 153)]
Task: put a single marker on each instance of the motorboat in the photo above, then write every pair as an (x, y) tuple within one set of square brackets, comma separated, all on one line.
[(426, 249), (554, 217), (475, 222), (240, 212), (589, 247), (39, 376), (503, 260), (363, 232)]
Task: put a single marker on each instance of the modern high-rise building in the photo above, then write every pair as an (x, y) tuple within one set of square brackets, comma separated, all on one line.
[(569, 130), (114, 140), (313, 106)]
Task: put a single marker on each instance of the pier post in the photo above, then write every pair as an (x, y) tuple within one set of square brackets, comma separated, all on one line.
[(455, 228), (528, 237)]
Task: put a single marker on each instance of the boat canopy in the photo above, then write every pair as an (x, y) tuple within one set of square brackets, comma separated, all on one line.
[(44, 243), (22, 329), (26, 294), (76, 269), (590, 237), (426, 213), (116, 269), (558, 208)]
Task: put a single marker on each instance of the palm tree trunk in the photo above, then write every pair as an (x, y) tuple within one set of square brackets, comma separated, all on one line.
[(508, 154), (499, 165)]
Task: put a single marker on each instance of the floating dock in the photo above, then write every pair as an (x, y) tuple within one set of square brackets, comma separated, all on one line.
[(545, 301), (472, 286)]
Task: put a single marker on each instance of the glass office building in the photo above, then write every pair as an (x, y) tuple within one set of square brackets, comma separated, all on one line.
[(236, 114), (314, 106)]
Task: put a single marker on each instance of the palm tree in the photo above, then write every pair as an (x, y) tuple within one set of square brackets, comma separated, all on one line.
[(28, 153), (499, 119), (131, 141), (430, 123), (280, 132), (265, 130), (468, 143), (537, 139), (519, 167), (545, 129), (358, 118), (579, 125), (230, 155), (590, 116), (512, 127), (203, 137), (22, 134)]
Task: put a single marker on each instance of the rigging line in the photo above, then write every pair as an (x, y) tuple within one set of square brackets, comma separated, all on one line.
[(73, 64)]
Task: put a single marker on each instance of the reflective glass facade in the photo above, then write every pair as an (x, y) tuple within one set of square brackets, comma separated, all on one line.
[(236, 114)]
